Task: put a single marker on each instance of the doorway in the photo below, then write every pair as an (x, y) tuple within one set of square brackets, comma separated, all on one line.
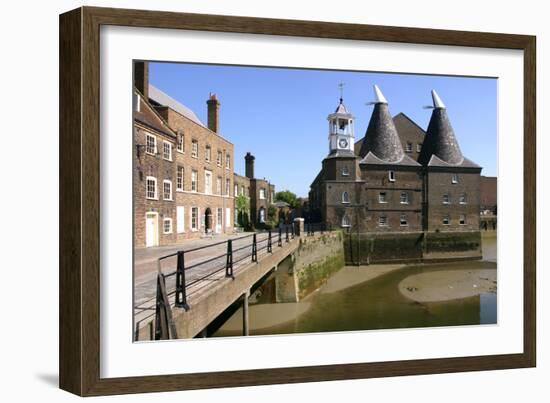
[(208, 220), (151, 230)]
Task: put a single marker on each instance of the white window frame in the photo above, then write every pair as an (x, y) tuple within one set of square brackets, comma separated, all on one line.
[(454, 179), (194, 148), (180, 184), (391, 176), (345, 170), (227, 186), (235, 190), (262, 194), (345, 197), (207, 183), (164, 221), (147, 137), (446, 196), (382, 199), (407, 200), (180, 147), (164, 144), (164, 183), (195, 182), (403, 218), (462, 199), (194, 228), (227, 161), (409, 147), (346, 223), (219, 219), (242, 190), (208, 153), (462, 219), (446, 218), (383, 221), (219, 158), (219, 185), (418, 147), (228, 217), (180, 219), (147, 179)]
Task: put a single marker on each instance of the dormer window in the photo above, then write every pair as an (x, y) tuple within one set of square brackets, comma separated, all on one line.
[(454, 179), (391, 176), (409, 147), (345, 170)]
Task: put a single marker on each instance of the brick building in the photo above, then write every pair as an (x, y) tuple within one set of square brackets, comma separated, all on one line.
[(190, 169), (397, 178)]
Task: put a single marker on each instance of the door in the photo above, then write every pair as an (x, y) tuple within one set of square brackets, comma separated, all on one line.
[(151, 229)]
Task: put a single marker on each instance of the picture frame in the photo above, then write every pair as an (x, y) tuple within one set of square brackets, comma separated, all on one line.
[(80, 155)]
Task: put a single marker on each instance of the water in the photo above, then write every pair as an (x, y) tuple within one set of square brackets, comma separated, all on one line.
[(353, 300)]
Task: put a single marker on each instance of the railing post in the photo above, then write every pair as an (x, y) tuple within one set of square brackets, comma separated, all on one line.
[(269, 245), (229, 259), (254, 248), (181, 292), (163, 318), (286, 232), (280, 242), (292, 230)]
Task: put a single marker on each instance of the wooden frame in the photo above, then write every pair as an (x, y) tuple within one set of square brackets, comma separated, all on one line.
[(80, 185)]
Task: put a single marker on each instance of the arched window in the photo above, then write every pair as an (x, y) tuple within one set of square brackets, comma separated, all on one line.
[(345, 197), (346, 221)]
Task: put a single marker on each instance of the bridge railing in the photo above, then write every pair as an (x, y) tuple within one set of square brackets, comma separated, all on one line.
[(314, 228), (197, 265)]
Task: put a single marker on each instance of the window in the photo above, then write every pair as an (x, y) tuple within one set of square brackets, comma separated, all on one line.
[(272, 197), (227, 186), (236, 190), (446, 220), (404, 198), (345, 197), (418, 147), (462, 198), (403, 220), (454, 179), (382, 197), (219, 185), (167, 225), (227, 161), (346, 221), (180, 219), (345, 170), (262, 193), (462, 219), (181, 143), (446, 198), (167, 190), (219, 222), (382, 221), (179, 178), (391, 176), (242, 190), (219, 159), (194, 186), (167, 151), (151, 188), (228, 217), (194, 149), (207, 182), (194, 218), (261, 215), (208, 154), (150, 144), (409, 147)]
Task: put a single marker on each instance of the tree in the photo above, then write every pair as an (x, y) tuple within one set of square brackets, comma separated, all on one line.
[(289, 197), (242, 204)]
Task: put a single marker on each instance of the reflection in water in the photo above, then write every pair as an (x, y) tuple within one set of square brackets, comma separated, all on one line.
[(373, 304)]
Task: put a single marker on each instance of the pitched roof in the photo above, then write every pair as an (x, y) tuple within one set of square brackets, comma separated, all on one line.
[(150, 118), (440, 137), (161, 98), (341, 108), (371, 159), (381, 137)]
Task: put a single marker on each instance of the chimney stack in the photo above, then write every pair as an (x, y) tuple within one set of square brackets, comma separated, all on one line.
[(213, 113), (249, 165), (141, 78)]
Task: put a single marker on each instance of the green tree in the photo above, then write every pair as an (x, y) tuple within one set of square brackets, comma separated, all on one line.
[(242, 204), (289, 197)]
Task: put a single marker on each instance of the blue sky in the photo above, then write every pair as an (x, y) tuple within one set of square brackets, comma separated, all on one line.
[(279, 115)]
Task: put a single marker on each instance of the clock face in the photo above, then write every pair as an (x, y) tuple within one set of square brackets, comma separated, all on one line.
[(342, 143)]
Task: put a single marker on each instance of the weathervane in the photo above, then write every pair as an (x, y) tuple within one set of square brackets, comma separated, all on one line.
[(341, 86)]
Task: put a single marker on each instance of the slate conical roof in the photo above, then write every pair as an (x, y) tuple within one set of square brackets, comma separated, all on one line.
[(381, 138), (440, 138)]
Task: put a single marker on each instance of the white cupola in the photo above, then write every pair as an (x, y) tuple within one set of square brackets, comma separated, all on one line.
[(341, 137)]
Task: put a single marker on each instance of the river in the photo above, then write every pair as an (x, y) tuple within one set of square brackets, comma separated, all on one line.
[(384, 297)]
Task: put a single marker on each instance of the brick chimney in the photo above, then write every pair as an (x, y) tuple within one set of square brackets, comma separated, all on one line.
[(249, 165), (141, 78), (213, 113)]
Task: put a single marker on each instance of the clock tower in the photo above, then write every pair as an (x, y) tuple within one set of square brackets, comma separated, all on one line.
[(340, 128)]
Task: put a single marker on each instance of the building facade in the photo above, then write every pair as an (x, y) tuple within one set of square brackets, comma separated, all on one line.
[(397, 178)]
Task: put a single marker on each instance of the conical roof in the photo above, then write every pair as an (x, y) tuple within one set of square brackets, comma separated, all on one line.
[(381, 138), (440, 138)]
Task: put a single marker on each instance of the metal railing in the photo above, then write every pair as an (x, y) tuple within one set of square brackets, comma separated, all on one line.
[(313, 228), (196, 265)]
